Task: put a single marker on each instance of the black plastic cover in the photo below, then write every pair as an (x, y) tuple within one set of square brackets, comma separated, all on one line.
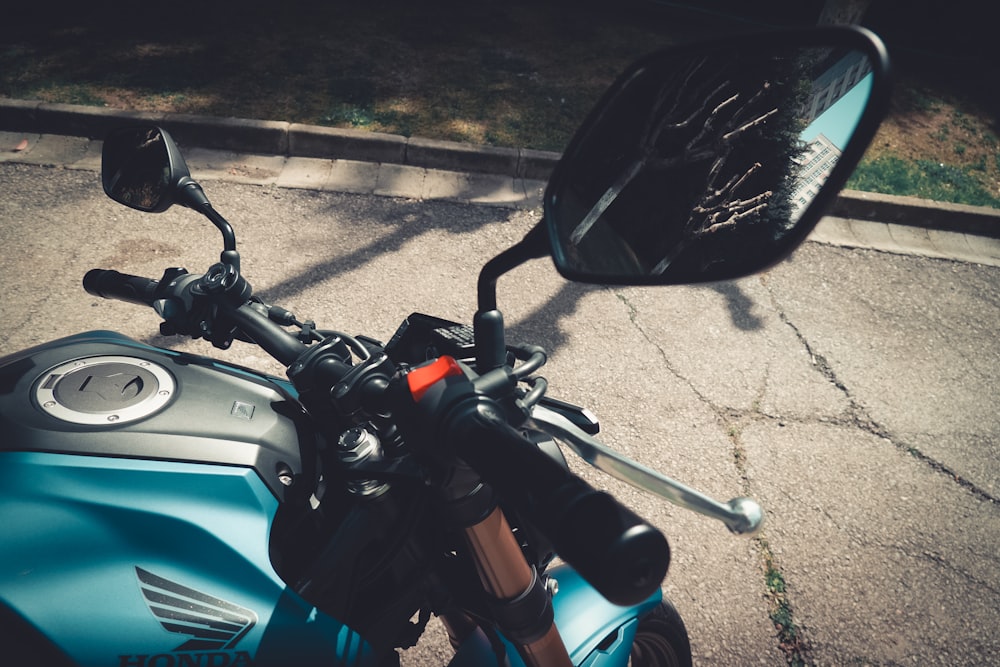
[(219, 414)]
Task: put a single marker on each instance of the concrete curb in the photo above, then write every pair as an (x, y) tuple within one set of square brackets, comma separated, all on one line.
[(914, 212), (280, 138), (310, 141)]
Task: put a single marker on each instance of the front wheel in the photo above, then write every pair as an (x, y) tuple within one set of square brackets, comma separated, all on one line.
[(661, 640)]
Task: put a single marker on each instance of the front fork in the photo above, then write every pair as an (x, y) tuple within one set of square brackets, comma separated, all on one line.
[(519, 601)]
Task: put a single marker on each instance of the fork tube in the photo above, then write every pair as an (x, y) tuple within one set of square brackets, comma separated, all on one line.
[(522, 604)]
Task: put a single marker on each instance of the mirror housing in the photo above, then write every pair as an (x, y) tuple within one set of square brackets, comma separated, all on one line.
[(696, 164), (142, 168)]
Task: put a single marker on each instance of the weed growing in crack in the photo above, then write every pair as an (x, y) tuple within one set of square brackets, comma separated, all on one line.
[(790, 639)]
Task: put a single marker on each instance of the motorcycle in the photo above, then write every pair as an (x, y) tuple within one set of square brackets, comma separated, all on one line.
[(164, 509)]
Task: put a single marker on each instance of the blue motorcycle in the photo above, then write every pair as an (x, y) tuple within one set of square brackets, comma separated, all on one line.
[(162, 509)]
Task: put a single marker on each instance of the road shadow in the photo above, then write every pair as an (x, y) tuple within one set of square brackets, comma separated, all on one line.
[(740, 306)]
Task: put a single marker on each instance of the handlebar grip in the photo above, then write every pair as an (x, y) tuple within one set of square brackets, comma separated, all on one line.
[(614, 549), (110, 284)]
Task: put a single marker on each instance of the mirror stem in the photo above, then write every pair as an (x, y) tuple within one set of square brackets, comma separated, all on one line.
[(228, 236), (229, 256), (190, 194), (491, 348), (532, 246)]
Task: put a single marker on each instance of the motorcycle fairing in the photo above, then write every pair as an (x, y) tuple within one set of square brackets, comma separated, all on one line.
[(596, 632), (116, 561), (101, 554), (190, 501)]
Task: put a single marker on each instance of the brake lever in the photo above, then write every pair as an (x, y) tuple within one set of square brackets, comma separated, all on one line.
[(742, 516)]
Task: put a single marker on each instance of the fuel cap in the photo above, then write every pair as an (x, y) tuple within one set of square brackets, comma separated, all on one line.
[(105, 390)]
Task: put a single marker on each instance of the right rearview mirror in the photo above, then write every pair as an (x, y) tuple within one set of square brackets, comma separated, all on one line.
[(714, 161)]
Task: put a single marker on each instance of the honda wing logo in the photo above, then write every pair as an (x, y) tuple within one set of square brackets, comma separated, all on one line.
[(210, 624)]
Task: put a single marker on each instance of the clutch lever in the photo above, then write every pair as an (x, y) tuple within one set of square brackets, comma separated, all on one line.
[(742, 516)]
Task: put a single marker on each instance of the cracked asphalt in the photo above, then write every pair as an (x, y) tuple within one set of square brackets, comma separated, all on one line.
[(853, 392)]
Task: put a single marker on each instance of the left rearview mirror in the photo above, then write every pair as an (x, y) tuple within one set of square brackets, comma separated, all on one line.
[(714, 161), (141, 167)]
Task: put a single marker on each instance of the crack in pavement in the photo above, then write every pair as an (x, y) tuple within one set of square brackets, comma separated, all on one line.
[(858, 416), (789, 635)]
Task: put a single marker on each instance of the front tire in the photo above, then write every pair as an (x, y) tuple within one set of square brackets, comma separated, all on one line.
[(661, 640)]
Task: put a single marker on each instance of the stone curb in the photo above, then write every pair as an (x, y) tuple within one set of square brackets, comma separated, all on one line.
[(280, 138), (914, 212), (299, 140)]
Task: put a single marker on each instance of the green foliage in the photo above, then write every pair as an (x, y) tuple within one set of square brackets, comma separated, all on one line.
[(790, 638), (81, 95), (775, 580), (917, 98), (923, 178), (349, 114)]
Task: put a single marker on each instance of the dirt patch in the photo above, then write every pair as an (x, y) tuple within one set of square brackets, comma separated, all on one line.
[(924, 124), (517, 73)]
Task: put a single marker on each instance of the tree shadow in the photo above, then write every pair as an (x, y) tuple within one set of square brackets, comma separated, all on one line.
[(406, 220), (740, 306), (543, 325)]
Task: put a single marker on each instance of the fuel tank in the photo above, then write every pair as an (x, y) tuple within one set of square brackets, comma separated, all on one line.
[(139, 492), (101, 393)]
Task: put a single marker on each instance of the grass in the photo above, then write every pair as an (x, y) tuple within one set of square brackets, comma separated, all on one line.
[(923, 178), (520, 73), (934, 145), (515, 74)]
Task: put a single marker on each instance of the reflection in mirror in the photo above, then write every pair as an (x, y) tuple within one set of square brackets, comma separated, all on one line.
[(697, 166), (135, 168), (836, 100)]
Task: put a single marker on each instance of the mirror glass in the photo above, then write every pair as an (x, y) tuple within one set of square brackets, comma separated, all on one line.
[(136, 170), (703, 165)]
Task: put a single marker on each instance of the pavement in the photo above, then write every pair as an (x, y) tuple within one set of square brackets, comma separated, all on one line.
[(852, 389), (294, 155)]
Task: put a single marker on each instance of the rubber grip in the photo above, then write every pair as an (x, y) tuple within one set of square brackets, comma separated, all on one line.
[(110, 284), (614, 549)]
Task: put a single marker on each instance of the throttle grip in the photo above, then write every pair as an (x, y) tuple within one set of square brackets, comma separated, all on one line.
[(110, 284), (614, 549)]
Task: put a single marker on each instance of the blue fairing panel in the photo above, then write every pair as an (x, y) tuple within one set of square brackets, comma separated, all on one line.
[(596, 632), (117, 561)]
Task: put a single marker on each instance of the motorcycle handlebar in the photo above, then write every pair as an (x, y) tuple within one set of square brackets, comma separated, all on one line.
[(272, 338), (110, 284), (613, 548)]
